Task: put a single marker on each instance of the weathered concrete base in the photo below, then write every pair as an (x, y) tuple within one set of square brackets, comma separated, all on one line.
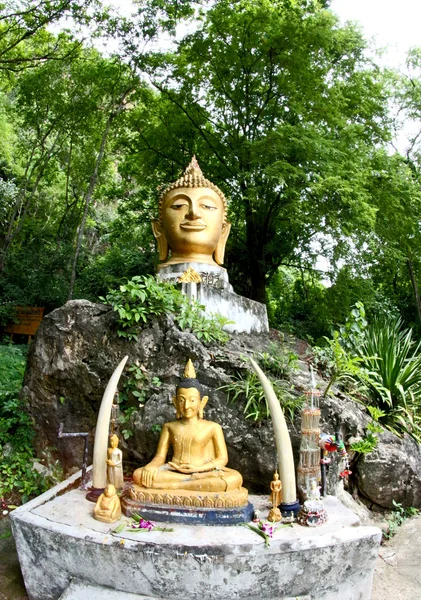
[(217, 296), (247, 316), (58, 541), (80, 590)]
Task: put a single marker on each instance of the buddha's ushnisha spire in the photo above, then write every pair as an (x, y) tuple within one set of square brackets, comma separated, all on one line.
[(192, 178), (189, 371)]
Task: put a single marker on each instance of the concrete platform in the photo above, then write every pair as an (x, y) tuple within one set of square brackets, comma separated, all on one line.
[(79, 590), (59, 541)]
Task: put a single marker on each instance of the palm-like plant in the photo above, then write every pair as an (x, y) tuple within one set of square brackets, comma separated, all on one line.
[(393, 360)]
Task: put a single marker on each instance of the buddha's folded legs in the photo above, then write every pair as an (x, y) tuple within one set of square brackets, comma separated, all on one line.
[(219, 480)]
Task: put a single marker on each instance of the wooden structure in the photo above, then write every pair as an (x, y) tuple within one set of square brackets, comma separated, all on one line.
[(29, 318)]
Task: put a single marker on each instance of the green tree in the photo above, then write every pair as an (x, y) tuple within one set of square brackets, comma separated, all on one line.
[(282, 109), (24, 41)]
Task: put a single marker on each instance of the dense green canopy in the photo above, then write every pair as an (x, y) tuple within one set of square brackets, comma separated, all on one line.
[(284, 111)]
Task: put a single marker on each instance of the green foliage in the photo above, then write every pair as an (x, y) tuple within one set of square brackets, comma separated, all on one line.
[(142, 298), (279, 364), (12, 368), (300, 302), (17, 475), (137, 388), (341, 365), (247, 388), (393, 360), (277, 361), (398, 517), (369, 443), (385, 361), (124, 421)]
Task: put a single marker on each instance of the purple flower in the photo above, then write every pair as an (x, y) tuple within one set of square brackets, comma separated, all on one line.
[(144, 524), (268, 529)]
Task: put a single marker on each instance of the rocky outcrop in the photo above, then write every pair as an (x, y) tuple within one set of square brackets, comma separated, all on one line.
[(391, 473), (77, 349)]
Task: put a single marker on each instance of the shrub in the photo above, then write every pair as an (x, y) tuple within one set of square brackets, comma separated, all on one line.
[(393, 360), (142, 298), (18, 478), (247, 388), (279, 364)]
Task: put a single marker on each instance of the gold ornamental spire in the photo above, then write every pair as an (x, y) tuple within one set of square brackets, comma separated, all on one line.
[(192, 178), (189, 372)]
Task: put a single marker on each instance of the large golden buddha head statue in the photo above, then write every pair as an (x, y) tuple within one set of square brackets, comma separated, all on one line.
[(192, 222)]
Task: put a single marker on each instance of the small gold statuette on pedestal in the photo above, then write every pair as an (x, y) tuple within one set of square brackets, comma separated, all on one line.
[(275, 498), (197, 475), (108, 509), (192, 221), (115, 464)]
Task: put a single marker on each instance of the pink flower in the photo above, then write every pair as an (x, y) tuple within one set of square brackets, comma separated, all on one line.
[(144, 524), (268, 529)]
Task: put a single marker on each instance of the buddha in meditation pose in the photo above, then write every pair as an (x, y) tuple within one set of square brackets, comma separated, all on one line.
[(108, 508), (192, 221), (199, 453)]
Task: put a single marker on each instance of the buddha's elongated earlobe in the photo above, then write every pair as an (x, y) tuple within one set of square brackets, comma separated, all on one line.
[(203, 403), (161, 239), (177, 410), (220, 248)]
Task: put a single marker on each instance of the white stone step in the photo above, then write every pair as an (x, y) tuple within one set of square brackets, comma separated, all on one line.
[(81, 590)]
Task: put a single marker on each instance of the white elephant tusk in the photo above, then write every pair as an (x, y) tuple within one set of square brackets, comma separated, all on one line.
[(282, 439), (99, 467)]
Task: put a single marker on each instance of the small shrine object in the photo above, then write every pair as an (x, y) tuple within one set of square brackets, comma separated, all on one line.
[(115, 463), (312, 512), (309, 464), (107, 508), (275, 499)]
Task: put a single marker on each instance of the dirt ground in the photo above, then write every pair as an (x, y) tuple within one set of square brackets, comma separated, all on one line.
[(397, 575)]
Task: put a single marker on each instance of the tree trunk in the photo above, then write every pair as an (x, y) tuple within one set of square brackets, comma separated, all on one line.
[(88, 199), (92, 184), (414, 286), (256, 264)]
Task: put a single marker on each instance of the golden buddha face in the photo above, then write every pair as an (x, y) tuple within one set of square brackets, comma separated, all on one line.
[(189, 404), (192, 226)]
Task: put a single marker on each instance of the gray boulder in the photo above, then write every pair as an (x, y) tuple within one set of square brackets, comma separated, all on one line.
[(392, 472)]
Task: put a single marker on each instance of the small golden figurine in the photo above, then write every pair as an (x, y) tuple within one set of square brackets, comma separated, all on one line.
[(115, 464), (276, 490), (275, 499), (108, 508)]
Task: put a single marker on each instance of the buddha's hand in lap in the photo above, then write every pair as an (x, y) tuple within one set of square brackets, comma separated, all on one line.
[(188, 468), (147, 476)]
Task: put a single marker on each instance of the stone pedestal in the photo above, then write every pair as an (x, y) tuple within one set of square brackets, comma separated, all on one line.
[(212, 275), (59, 542), (217, 296)]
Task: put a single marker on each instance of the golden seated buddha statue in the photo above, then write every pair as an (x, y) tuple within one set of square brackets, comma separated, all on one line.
[(197, 475)]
